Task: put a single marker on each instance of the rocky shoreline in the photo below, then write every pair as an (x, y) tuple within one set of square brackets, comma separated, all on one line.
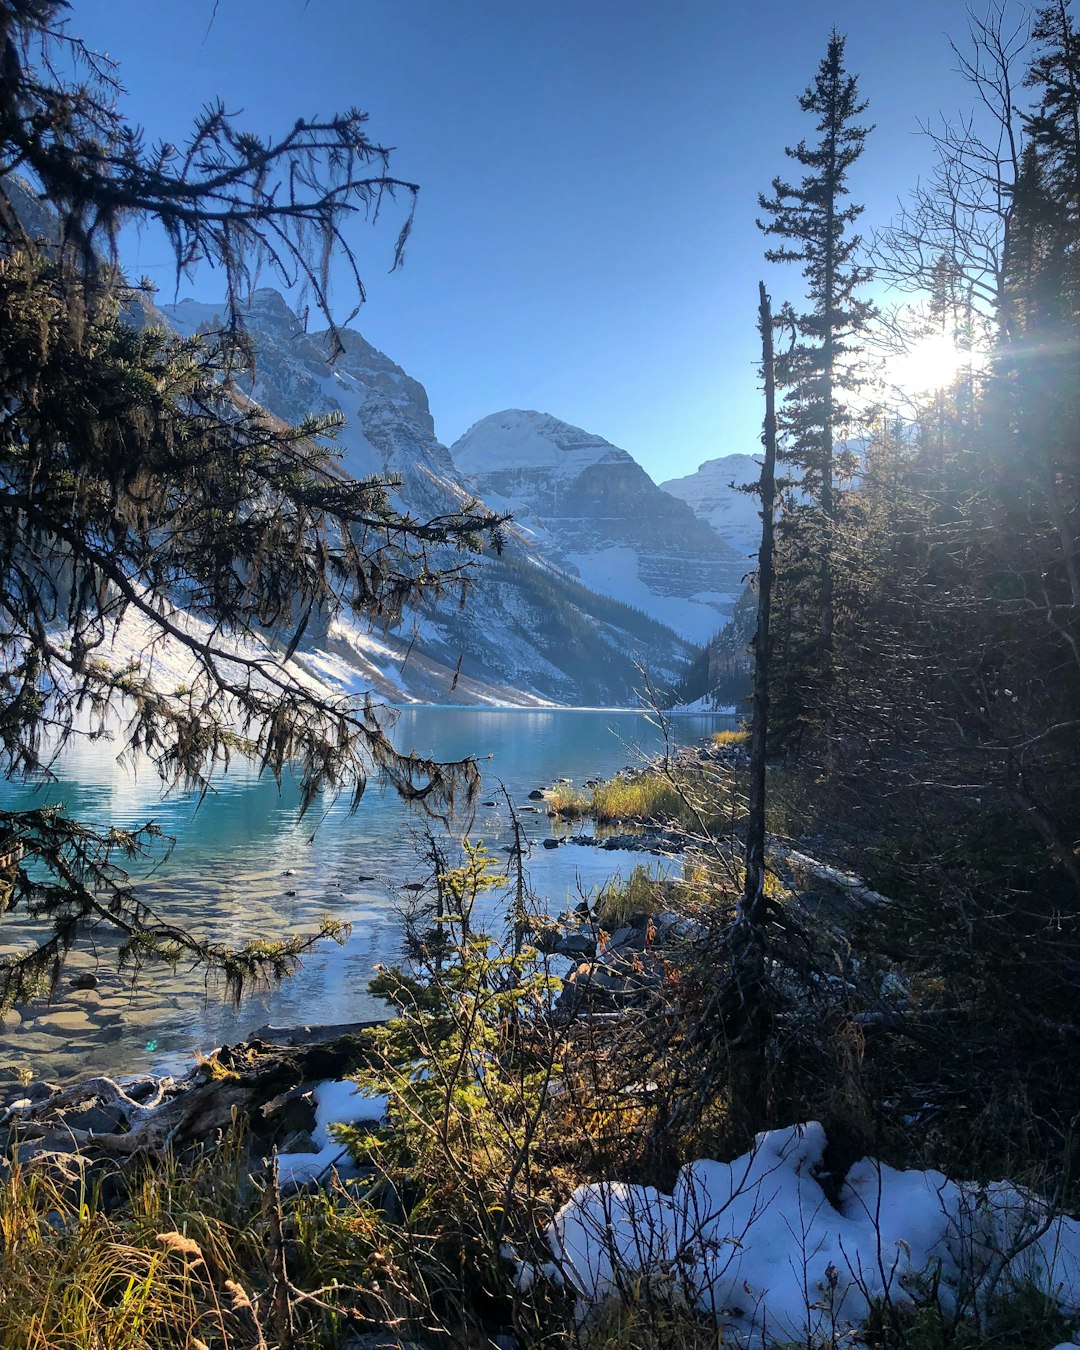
[(85, 1128)]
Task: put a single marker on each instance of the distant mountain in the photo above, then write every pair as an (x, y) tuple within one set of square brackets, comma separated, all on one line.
[(528, 633), (712, 493), (593, 511)]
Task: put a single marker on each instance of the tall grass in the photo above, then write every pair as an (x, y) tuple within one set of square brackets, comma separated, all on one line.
[(619, 901), (649, 797), (569, 803)]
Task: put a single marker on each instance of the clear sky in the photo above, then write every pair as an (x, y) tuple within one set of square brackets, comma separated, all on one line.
[(585, 240)]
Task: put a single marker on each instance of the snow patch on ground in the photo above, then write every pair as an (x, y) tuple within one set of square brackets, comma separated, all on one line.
[(336, 1103), (756, 1244)]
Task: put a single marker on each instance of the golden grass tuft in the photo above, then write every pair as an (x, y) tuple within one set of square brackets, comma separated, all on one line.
[(641, 893), (569, 803), (645, 798)]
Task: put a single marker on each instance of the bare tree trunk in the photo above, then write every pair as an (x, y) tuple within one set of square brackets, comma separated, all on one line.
[(752, 909), (749, 1044)]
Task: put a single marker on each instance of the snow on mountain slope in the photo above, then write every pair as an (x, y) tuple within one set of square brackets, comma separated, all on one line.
[(595, 512), (530, 444), (527, 634), (712, 493), (294, 378)]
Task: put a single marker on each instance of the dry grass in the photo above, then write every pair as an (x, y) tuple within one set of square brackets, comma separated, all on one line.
[(641, 893), (649, 1318), (648, 798), (729, 739), (187, 1260), (569, 803), (74, 1279), (645, 798)]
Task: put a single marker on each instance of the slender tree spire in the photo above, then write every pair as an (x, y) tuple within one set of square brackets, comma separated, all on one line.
[(753, 901), (815, 217)]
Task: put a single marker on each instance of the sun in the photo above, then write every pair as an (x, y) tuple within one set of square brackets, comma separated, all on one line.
[(930, 363)]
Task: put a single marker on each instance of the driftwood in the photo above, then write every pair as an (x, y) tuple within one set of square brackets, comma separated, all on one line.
[(852, 887), (267, 1081)]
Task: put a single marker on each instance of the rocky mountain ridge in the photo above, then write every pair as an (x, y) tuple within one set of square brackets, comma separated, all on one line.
[(713, 493), (598, 515), (530, 633)]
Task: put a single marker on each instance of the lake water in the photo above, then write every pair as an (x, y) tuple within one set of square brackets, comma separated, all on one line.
[(243, 865)]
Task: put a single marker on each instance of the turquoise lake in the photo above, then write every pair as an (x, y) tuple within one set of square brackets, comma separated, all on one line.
[(244, 864)]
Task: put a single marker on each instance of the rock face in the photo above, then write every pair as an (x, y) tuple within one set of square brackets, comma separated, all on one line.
[(712, 493), (529, 633), (593, 510), (390, 430)]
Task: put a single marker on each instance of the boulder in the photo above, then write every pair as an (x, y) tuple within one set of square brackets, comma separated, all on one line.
[(576, 944)]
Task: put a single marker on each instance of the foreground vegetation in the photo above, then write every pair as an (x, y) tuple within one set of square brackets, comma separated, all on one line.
[(507, 1091)]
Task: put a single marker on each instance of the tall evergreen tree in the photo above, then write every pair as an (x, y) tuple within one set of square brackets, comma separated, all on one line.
[(814, 217), (136, 485)]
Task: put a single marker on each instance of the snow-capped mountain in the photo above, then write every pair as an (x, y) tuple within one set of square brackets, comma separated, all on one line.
[(713, 494), (389, 429), (596, 513), (529, 633)]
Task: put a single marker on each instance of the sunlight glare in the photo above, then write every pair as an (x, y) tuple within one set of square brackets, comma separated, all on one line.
[(930, 364)]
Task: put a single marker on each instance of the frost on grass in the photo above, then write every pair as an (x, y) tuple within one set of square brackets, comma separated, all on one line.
[(756, 1244)]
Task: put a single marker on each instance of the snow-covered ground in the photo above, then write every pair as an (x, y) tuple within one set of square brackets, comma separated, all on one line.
[(757, 1245), (336, 1103)]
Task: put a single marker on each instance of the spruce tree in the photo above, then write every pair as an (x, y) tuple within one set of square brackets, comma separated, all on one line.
[(814, 217)]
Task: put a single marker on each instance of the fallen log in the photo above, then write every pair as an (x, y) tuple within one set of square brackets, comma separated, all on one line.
[(267, 1082)]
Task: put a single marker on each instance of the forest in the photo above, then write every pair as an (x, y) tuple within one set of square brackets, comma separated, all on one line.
[(816, 1087)]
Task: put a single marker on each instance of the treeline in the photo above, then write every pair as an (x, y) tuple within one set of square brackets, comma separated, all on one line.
[(924, 669)]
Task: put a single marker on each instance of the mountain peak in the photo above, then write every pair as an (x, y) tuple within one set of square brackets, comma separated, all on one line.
[(712, 492), (601, 518), (521, 439)]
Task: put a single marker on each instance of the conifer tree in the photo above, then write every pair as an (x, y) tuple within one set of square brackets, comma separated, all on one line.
[(136, 485), (813, 218)]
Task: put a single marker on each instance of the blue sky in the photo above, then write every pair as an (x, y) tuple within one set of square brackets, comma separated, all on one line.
[(585, 241)]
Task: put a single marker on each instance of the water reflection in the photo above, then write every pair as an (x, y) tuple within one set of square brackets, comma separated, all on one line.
[(245, 865)]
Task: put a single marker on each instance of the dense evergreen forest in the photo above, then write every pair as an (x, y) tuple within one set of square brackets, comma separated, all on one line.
[(860, 980)]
